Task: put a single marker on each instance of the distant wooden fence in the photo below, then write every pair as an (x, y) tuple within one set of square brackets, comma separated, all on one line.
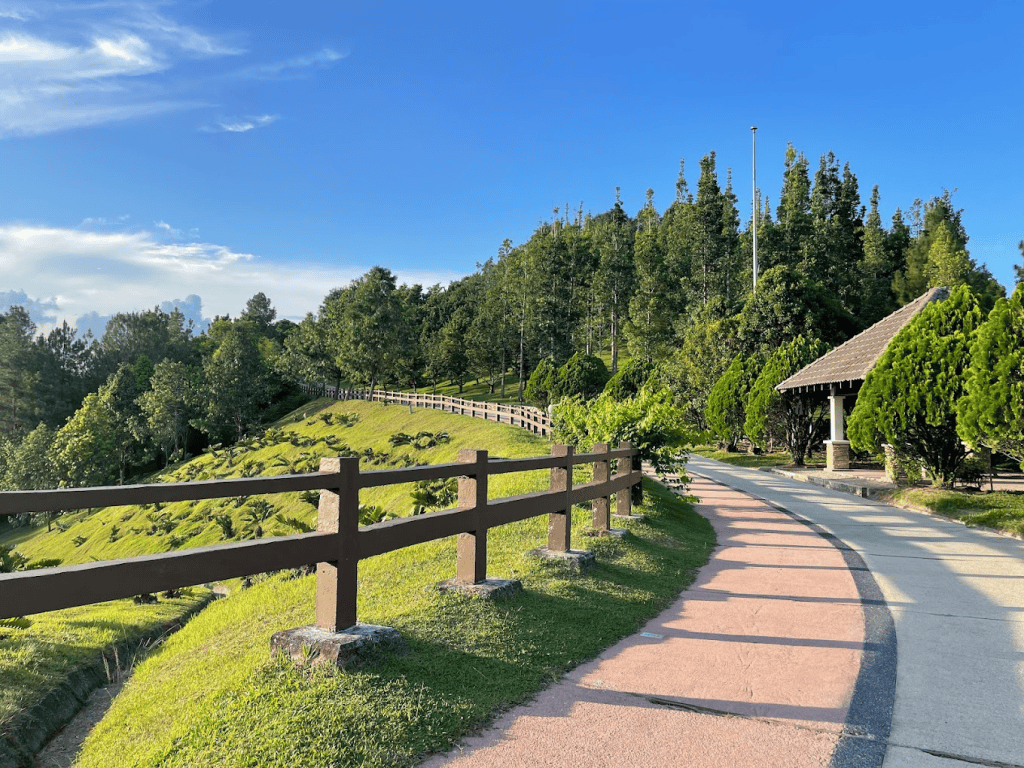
[(338, 544), (526, 416)]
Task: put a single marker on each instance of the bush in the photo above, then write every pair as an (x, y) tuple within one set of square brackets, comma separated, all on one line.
[(909, 399), (582, 376), (538, 388), (629, 380)]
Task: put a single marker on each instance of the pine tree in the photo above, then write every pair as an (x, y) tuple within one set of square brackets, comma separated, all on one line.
[(992, 413), (795, 419), (948, 265), (793, 216), (649, 329), (877, 271), (909, 400), (614, 282)]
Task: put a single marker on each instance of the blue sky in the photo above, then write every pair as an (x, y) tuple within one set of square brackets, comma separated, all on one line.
[(150, 151)]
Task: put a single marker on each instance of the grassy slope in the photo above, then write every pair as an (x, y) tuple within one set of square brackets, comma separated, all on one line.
[(466, 658), (1002, 511), (193, 523)]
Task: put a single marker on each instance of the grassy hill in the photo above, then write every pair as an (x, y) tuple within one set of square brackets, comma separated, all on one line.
[(210, 695)]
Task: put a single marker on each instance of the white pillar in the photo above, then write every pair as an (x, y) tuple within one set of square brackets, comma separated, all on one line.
[(836, 402)]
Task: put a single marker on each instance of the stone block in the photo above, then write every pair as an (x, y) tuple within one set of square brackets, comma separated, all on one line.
[(617, 533), (313, 646), (574, 559), (634, 518), (838, 455), (491, 589)]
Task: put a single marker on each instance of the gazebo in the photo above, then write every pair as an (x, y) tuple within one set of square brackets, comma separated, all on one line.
[(842, 371)]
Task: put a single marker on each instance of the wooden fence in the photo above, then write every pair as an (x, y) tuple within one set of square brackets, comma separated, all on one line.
[(338, 544), (526, 416)]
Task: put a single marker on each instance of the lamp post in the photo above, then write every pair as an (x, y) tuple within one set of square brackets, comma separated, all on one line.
[(753, 199)]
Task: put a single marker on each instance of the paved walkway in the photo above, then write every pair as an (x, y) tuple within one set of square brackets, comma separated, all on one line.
[(956, 596), (754, 665)]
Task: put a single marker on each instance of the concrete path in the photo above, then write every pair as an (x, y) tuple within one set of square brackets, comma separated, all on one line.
[(755, 665), (957, 599)]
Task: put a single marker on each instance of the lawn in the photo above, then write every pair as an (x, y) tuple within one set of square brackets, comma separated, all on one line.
[(217, 669), (466, 659), (1001, 510)]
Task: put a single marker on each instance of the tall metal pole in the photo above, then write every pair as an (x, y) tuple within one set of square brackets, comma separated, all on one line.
[(753, 198)]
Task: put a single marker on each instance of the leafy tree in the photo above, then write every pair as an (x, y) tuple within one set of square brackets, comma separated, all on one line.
[(649, 328), (84, 449), (542, 381), (18, 373), (909, 400), (877, 270), (239, 384), (795, 419), (948, 266), (119, 396), (727, 402), (992, 412), (153, 333), (66, 368), (171, 405), (582, 376), (706, 349), (613, 236), (650, 422), (261, 313), (630, 379), (366, 326), (786, 305), (1019, 268)]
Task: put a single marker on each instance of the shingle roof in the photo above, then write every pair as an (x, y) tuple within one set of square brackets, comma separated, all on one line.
[(851, 361)]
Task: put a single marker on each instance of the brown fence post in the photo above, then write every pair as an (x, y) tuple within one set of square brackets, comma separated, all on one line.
[(339, 512), (560, 522), (602, 504), (624, 498), (471, 561)]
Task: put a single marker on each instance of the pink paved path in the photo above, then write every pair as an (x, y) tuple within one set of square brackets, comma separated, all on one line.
[(771, 631)]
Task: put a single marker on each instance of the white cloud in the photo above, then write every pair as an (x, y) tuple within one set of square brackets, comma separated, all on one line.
[(94, 75), (109, 272), (241, 125), (293, 67)]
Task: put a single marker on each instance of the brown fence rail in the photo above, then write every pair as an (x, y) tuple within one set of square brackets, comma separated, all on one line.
[(338, 544), (524, 416)]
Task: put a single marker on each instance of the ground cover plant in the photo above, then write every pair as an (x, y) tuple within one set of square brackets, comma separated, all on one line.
[(1000, 510), (40, 653), (465, 658)]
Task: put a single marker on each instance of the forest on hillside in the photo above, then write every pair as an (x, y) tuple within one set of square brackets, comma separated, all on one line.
[(670, 291)]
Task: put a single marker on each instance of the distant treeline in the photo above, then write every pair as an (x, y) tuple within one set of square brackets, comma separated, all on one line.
[(671, 290)]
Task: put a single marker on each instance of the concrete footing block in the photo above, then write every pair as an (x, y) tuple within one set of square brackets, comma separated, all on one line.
[(634, 518), (312, 645), (617, 533), (491, 589), (574, 559)]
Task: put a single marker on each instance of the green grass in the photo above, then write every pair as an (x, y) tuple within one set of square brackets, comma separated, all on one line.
[(39, 658), (466, 659), (1001, 510), (127, 531), (745, 459)]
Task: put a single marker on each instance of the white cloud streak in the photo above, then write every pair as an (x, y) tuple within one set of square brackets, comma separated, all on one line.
[(101, 75), (241, 125), (109, 272)]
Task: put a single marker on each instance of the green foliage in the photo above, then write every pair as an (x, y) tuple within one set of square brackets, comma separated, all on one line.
[(992, 412), (429, 495), (910, 398), (650, 422), (727, 401), (582, 376), (239, 383), (630, 379), (465, 659), (786, 305), (542, 381), (796, 420)]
